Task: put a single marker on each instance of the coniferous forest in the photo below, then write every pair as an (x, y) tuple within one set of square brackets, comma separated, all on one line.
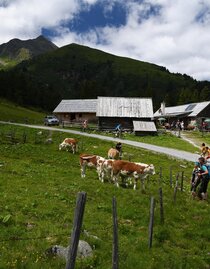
[(76, 71)]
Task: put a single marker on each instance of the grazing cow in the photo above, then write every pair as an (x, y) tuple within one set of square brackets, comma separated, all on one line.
[(92, 161), (113, 154), (130, 169), (69, 144), (106, 170)]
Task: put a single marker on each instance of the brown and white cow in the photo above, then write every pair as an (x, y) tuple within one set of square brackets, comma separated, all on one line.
[(113, 154), (130, 169), (69, 144), (92, 161)]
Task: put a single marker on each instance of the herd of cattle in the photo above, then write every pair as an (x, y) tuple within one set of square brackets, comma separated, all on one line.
[(111, 169)]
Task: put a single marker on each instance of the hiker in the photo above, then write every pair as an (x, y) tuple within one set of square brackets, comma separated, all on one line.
[(85, 125), (195, 179), (204, 150), (204, 176), (182, 125), (118, 130)]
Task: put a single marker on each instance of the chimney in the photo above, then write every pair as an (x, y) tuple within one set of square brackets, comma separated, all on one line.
[(162, 107)]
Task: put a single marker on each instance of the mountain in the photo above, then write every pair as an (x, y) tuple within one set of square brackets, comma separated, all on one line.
[(17, 50), (76, 71)]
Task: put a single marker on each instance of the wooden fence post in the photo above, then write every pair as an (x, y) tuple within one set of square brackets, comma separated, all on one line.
[(151, 222), (182, 180), (160, 176), (176, 187), (24, 137), (161, 206), (171, 180), (115, 262), (74, 240)]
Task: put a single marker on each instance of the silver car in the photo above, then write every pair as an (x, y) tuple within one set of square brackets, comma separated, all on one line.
[(51, 120)]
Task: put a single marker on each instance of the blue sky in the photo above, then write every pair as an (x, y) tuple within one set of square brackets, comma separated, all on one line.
[(170, 33)]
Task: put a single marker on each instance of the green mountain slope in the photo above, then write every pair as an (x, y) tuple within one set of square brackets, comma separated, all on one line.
[(75, 71)]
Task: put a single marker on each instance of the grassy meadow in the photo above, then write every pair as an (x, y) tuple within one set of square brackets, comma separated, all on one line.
[(39, 185), (15, 113)]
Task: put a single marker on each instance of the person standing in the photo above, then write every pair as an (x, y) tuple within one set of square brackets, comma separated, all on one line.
[(85, 125), (204, 177)]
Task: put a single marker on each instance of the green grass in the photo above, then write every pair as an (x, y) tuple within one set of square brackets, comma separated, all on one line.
[(12, 112), (39, 186), (165, 140), (200, 137)]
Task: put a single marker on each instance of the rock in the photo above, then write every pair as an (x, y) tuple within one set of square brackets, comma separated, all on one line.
[(84, 250)]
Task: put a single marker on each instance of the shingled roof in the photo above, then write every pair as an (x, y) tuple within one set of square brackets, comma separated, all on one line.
[(77, 106)]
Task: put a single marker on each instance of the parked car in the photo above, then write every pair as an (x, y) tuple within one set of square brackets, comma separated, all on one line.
[(51, 120)]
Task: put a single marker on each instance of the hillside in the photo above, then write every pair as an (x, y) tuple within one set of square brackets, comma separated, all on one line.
[(16, 50), (39, 186), (76, 71), (12, 112)]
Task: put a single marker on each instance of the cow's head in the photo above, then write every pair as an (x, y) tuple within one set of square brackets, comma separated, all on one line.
[(150, 169)]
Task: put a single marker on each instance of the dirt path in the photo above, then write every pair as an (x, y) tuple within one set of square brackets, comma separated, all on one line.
[(184, 155)]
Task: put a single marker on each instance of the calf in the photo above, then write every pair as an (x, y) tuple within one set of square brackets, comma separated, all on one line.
[(113, 154), (92, 161), (69, 144), (130, 169)]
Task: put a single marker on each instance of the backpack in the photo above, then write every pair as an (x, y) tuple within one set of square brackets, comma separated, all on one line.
[(208, 167)]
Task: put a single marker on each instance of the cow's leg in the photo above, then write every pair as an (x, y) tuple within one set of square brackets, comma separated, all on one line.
[(83, 168), (135, 183), (73, 148), (115, 179), (142, 184), (100, 173)]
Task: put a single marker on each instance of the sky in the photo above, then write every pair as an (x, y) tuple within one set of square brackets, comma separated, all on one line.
[(170, 33)]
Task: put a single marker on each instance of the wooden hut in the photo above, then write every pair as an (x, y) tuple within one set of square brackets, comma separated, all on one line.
[(112, 111), (77, 110)]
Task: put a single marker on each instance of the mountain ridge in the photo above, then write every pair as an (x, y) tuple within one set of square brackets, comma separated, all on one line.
[(80, 72)]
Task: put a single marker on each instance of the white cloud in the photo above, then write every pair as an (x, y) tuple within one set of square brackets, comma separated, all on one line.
[(171, 33)]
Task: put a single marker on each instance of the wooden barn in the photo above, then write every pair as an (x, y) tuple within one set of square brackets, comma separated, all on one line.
[(112, 111), (191, 114), (77, 110)]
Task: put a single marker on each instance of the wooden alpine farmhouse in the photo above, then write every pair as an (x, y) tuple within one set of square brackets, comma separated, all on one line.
[(134, 114), (193, 113), (77, 110)]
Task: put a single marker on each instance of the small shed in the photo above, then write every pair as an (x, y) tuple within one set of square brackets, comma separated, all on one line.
[(112, 111), (144, 128), (77, 110)]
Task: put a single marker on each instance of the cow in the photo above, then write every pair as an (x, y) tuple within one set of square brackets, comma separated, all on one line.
[(69, 144), (106, 169), (113, 154), (92, 161), (130, 169)]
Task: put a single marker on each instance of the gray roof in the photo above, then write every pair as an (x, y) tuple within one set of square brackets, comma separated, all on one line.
[(144, 126), (190, 110), (77, 106), (124, 107)]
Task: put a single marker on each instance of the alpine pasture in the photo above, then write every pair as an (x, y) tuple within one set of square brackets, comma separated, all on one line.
[(39, 185)]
